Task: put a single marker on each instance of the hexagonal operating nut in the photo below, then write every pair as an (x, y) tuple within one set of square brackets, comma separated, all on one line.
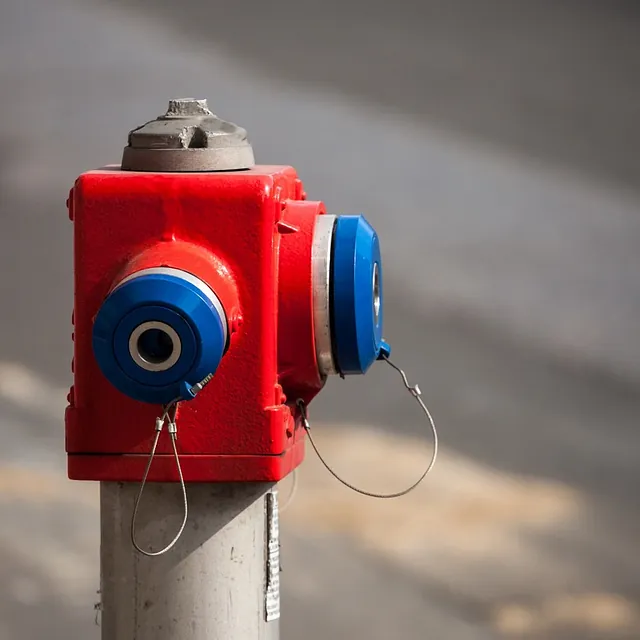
[(187, 138)]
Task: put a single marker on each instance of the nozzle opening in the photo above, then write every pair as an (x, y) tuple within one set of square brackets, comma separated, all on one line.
[(155, 346)]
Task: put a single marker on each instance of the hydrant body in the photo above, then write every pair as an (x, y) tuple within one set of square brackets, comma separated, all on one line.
[(248, 235), (206, 282)]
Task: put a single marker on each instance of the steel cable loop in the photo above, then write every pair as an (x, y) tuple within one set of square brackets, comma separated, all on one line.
[(414, 390), (168, 415)]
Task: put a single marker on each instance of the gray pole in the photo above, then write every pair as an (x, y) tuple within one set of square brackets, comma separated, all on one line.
[(217, 583)]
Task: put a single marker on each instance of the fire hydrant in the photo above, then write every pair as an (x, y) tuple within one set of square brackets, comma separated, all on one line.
[(206, 280), (211, 298)]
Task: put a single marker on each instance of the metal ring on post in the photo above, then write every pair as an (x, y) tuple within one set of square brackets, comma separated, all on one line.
[(160, 356), (321, 273)]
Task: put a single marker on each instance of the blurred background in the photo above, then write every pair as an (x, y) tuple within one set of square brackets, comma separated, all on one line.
[(494, 146)]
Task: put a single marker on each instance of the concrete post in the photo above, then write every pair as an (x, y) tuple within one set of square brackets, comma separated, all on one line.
[(217, 583)]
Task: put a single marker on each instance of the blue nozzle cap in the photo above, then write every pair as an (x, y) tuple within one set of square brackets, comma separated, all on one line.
[(158, 334), (356, 295)]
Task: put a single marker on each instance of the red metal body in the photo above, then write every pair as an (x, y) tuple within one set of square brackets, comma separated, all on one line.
[(248, 234)]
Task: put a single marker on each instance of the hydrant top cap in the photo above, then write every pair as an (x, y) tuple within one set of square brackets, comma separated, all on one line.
[(188, 138)]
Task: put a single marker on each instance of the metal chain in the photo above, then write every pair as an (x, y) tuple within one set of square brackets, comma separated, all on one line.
[(416, 393), (168, 415)]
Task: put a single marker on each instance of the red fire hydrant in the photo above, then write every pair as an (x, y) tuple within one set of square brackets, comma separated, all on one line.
[(206, 281)]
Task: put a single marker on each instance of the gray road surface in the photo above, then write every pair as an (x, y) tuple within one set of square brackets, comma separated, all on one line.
[(494, 152)]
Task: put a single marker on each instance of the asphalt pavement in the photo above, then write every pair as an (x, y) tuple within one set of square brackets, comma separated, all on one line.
[(494, 151)]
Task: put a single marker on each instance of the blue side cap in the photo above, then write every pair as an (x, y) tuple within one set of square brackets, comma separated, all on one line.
[(178, 304), (357, 319)]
